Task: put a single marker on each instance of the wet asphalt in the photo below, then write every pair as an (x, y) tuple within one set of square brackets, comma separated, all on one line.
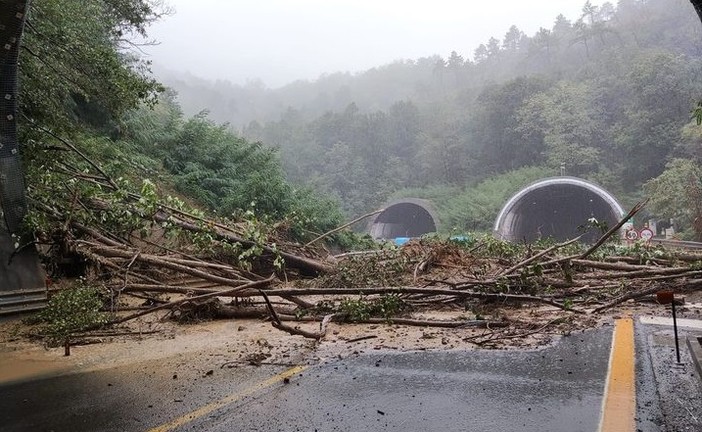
[(126, 398), (555, 389), (558, 388), (669, 394)]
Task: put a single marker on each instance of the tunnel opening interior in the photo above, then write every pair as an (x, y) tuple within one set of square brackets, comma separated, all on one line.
[(403, 219), (558, 211)]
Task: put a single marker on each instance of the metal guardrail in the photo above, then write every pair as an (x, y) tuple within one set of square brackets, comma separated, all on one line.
[(22, 300), (680, 244)]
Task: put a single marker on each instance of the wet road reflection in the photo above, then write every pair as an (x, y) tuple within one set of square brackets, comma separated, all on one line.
[(556, 389)]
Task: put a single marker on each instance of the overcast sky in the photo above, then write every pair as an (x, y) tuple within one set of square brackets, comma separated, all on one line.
[(279, 41)]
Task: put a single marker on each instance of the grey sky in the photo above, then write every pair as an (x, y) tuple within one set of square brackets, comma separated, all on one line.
[(279, 41)]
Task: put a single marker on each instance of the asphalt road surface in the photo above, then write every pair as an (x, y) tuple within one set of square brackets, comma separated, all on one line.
[(559, 388)]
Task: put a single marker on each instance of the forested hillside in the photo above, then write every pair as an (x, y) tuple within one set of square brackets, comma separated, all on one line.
[(606, 96), (101, 135)]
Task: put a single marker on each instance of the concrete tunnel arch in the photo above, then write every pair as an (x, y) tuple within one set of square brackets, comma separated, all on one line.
[(409, 217), (555, 207)]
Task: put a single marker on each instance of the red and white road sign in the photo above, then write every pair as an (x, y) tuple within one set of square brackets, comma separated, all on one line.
[(632, 234), (646, 234)]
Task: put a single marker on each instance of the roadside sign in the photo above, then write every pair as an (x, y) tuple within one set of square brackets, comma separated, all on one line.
[(632, 234), (646, 234)]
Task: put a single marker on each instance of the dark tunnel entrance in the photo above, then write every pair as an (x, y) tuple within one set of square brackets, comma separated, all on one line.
[(555, 208), (404, 218)]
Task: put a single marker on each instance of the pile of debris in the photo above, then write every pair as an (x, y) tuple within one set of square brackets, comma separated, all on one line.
[(290, 284)]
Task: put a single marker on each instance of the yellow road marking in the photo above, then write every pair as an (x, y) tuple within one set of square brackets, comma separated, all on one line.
[(619, 402), (206, 409)]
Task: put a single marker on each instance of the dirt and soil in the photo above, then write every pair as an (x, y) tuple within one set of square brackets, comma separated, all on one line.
[(229, 343), (489, 294)]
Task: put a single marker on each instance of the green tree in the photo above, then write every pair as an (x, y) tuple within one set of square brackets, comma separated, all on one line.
[(570, 122), (657, 106), (494, 127), (513, 39), (77, 65), (677, 194), (481, 53), (455, 65)]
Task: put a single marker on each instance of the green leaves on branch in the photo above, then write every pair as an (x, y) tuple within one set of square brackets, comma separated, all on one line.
[(70, 311), (677, 194), (362, 308), (76, 65)]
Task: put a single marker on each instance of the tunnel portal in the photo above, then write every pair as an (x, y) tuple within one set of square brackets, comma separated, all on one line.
[(556, 207), (404, 218)]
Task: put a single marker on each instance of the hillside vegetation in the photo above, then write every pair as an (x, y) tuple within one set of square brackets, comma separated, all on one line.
[(139, 208), (606, 96), (96, 127)]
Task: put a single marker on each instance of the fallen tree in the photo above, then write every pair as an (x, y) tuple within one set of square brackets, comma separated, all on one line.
[(384, 286)]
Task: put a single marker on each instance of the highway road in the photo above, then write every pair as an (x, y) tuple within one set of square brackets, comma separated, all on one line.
[(605, 379)]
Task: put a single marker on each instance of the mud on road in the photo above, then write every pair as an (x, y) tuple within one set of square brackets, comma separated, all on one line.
[(231, 343)]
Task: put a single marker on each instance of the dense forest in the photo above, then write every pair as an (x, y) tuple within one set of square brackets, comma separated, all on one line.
[(97, 127), (607, 96)]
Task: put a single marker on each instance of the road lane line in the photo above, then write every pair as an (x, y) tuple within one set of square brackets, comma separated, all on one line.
[(213, 406), (619, 401)]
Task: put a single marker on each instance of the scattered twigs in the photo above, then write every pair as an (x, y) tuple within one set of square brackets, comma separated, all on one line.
[(404, 321), (495, 336), (361, 338), (335, 230), (611, 265), (159, 261), (435, 323), (630, 295), (454, 279), (537, 256), (171, 305), (75, 150), (277, 323), (413, 290), (291, 260), (615, 228)]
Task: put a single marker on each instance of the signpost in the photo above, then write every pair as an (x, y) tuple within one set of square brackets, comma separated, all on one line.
[(665, 297)]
